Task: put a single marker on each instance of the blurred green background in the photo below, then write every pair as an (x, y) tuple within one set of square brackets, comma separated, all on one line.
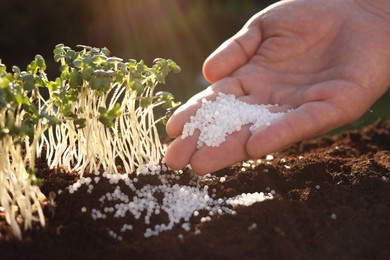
[(186, 31)]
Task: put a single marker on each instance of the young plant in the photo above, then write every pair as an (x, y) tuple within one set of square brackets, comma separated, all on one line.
[(106, 108), (22, 122), (99, 113)]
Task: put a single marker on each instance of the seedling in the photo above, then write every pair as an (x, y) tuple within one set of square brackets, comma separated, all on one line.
[(100, 112), (22, 123), (106, 107)]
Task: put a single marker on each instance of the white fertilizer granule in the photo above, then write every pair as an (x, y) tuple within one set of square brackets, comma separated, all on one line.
[(217, 119), (163, 196)]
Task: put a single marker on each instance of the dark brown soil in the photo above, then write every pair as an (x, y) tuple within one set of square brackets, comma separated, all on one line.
[(346, 176)]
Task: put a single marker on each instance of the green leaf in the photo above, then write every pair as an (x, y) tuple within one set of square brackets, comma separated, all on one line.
[(140, 67), (106, 52), (101, 73), (115, 111), (54, 85), (17, 71), (32, 110), (170, 105), (102, 110), (85, 47), (105, 84), (132, 62), (75, 79), (58, 57), (108, 117), (3, 68), (137, 86), (173, 66), (145, 102), (40, 61), (167, 104), (67, 111), (25, 129), (64, 69), (36, 181), (123, 67), (28, 81), (114, 59), (95, 50), (87, 73), (21, 99), (98, 59), (70, 56), (79, 123), (100, 84), (78, 63), (87, 60), (164, 95), (59, 48), (118, 77), (32, 67), (164, 120), (27, 76), (160, 78)]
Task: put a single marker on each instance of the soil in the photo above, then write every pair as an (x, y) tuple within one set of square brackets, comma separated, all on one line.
[(332, 201)]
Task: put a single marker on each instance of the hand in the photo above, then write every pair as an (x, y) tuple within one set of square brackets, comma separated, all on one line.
[(329, 60)]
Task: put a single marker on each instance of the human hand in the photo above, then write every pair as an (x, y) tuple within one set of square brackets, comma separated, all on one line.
[(329, 60)]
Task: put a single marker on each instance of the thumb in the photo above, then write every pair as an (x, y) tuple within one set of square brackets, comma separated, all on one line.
[(234, 52)]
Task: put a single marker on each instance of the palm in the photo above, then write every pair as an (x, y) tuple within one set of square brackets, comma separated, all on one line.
[(329, 70)]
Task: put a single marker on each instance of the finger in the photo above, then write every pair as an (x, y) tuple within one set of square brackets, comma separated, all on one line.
[(234, 52), (182, 115), (180, 151), (306, 121), (211, 159)]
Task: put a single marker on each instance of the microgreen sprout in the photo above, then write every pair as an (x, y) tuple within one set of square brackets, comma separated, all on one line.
[(99, 112), (22, 122), (106, 106)]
